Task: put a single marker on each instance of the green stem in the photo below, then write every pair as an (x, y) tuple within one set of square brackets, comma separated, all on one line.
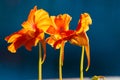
[(81, 65), (40, 63), (61, 61)]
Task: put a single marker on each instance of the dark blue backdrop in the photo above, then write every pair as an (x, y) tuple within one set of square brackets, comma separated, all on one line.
[(104, 38)]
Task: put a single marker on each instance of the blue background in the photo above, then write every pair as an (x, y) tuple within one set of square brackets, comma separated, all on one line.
[(104, 35)]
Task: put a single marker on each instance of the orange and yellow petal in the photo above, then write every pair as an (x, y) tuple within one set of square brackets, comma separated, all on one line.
[(30, 23), (11, 38), (51, 30), (82, 40), (61, 22), (84, 22), (67, 34), (39, 37), (32, 39), (50, 41), (56, 40), (42, 20), (29, 26), (23, 38), (58, 44), (87, 49), (43, 42), (31, 16), (67, 18), (16, 44), (12, 48), (29, 44), (79, 39), (37, 19)]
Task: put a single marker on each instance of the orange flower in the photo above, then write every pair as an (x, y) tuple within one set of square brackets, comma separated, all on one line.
[(58, 30), (31, 34), (80, 38), (25, 38), (33, 31), (37, 19)]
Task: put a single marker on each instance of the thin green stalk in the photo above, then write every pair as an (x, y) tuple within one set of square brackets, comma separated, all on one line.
[(81, 64), (61, 61), (40, 63)]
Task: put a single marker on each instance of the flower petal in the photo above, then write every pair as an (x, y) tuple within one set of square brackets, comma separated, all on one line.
[(16, 44), (84, 22), (50, 41), (42, 19), (51, 30), (32, 38), (31, 15), (29, 43), (62, 22), (12, 48), (44, 49), (29, 26), (12, 38), (87, 49), (67, 34), (30, 23), (80, 39), (58, 44)]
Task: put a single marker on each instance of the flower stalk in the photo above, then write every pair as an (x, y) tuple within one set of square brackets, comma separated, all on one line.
[(81, 64), (40, 63), (61, 60)]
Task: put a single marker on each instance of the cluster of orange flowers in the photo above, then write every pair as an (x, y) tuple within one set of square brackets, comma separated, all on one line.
[(39, 22)]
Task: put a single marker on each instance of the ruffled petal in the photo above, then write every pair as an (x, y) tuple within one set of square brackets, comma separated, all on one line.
[(42, 19), (57, 44), (30, 23), (50, 41), (12, 38), (31, 16), (67, 34), (51, 30), (33, 39), (12, 48), (29, 26), (80, 39), (29, 44), (83, 23), (40, 36), (62, 22), (16, 44)]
